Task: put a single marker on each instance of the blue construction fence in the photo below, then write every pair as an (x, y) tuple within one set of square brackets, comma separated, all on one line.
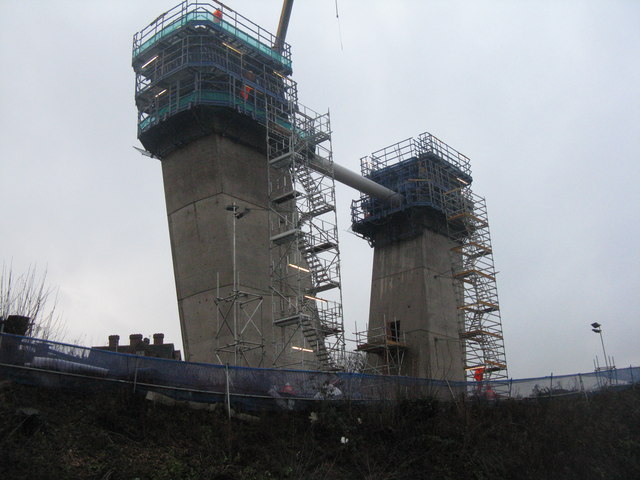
[(46, 363)]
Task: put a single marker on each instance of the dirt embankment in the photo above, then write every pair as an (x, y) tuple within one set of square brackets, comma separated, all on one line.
[(53, 434)]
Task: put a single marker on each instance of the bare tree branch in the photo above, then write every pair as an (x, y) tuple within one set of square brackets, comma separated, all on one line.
[(29, 296)]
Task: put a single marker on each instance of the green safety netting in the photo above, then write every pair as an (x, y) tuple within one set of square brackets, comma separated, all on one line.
[(208, 97)]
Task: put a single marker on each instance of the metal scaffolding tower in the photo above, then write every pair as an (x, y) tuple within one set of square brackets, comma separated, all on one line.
[(475, 276), (239, 317), (305, 256)]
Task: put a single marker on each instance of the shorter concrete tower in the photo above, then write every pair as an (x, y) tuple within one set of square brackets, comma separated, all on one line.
[(434, 310)]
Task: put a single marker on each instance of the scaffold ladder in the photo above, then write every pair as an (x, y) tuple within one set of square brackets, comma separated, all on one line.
[(475, 281)]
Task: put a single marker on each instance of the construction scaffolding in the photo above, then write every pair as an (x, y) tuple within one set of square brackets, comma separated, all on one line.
[(388, 344), (476, 289), (421, 171), (435, 182), (205, 54), (238, 318), (239, 330), (305, 255)]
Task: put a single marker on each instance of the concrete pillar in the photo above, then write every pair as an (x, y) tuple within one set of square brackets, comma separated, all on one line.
[(412, 284), (200, 180)]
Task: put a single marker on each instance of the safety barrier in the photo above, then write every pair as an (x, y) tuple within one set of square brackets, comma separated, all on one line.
[(40, 362), (203, 13)]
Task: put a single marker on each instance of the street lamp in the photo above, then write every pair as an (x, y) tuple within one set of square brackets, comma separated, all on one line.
[(238, 213), (596, 329)]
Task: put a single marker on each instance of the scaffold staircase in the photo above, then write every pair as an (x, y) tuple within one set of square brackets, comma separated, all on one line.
[(322, 277), (318, 204), (315, 340), (303, 238)]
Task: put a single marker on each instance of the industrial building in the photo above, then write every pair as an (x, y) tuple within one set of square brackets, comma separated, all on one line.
[(249, 185)]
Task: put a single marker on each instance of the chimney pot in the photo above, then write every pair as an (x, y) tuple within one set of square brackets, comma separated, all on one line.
[(114, 340), (16, 324), (135, 339), (158, 338)]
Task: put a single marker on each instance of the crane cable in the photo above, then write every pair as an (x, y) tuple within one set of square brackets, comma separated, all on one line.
[(339, 29)]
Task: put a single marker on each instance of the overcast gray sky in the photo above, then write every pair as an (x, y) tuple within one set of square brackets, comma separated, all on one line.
[(543, 96)]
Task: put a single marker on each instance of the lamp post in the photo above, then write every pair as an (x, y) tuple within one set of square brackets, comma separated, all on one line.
[(238, 213), (596, 329)]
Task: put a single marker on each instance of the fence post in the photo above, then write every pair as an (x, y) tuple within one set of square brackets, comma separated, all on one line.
[(633, 383), (582, 387), (135, 376), (227, 390), (550, 384)]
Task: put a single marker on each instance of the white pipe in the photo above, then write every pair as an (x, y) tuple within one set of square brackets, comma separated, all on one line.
[(364, 185), (355, 180)]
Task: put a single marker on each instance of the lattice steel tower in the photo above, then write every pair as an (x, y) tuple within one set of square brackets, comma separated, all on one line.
[(252, 225)]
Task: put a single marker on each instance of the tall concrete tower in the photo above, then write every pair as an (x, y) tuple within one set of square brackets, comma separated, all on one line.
[(252, 227), (434, 309)]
